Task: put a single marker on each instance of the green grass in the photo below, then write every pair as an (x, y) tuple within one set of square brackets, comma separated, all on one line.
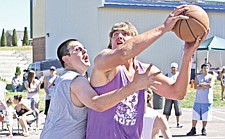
[(24, 94), (187, 102), (9, 48)]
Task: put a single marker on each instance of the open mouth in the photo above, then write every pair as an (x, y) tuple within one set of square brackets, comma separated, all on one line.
[(86, 58), (119, 42)]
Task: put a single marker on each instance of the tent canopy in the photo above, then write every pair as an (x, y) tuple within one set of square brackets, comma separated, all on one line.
[(213, 43)]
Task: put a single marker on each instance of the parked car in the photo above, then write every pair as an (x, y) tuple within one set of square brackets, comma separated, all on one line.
[(43, 66)]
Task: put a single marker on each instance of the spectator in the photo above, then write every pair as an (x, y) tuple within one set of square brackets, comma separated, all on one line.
[(173, 74), (193, 67), (154, 122), (2, 100), (207, 62), (49, 84), (222, 82), (202, 109), (24, 113), (9, 112), (41, 79), (17, 83), (32, 86)]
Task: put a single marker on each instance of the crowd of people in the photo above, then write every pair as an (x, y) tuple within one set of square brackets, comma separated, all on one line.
[(117, 93)]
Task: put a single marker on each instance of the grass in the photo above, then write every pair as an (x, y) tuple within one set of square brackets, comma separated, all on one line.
[(187, 102), (9, 48)]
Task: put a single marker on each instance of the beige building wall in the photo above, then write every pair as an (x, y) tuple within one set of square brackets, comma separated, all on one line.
[(90, 22), (39, 32), (39, 19)]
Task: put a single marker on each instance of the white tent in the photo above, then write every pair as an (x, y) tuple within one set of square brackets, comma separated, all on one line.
[(216, 44)]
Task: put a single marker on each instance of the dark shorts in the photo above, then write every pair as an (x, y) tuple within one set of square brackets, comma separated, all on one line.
[(168, 107)]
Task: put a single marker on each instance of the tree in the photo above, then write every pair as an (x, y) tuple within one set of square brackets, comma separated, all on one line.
[(14, 38), (25, 37), (3, 38)]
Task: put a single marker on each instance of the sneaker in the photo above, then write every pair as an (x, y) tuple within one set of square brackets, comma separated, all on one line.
[(179, 126), (204, 132), (192, 132)]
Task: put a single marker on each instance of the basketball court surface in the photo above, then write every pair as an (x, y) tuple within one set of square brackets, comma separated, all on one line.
[(215, 128)]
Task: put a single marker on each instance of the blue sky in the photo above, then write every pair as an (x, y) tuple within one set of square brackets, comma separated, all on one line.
[(14, 14)]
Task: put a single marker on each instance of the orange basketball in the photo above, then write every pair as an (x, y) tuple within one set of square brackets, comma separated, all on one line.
[(198, 22)]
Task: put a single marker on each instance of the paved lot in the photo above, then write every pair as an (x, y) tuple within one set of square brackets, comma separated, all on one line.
[(215, 128)]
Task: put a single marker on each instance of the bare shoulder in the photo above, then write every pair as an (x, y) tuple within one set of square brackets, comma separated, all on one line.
[(100, 78), (79, 87), (79, 82), (101, 54)]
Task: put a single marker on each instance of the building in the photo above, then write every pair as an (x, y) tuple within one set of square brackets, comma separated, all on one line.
[(91, 20)]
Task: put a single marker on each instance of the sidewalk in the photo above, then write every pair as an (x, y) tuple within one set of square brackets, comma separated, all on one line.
[(215, 128)]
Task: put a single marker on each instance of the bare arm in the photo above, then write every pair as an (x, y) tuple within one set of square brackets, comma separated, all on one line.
[(208, 84), (109, 59), (28, 88), (177, 90), (29, 110), (196, 85), (84, 94)]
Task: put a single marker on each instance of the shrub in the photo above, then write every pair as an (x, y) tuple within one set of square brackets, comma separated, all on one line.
[(25, 37), (18, 70), (14, 38), (3, 38)]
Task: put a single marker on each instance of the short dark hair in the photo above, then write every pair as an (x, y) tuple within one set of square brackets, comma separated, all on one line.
[(204, 65), (63, 50), (9, 101), (18, 97)]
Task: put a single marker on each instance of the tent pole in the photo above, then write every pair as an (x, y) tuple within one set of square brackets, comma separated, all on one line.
[(207, 56), (220, 60), (196, 57)]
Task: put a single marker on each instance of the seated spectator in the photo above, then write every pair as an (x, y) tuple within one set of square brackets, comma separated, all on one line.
[(17, 83), (24, 112)]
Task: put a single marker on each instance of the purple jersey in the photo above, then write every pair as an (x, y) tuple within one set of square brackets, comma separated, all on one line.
[(124, 120)]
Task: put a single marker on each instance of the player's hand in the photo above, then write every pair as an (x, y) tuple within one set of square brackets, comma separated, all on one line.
[(145, 80), (191, 47), (174, 16)]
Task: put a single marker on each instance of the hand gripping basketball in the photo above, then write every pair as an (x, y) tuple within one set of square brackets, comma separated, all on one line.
[(197, 24)]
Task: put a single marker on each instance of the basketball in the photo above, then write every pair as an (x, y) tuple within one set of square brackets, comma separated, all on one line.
[(189, 29)]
